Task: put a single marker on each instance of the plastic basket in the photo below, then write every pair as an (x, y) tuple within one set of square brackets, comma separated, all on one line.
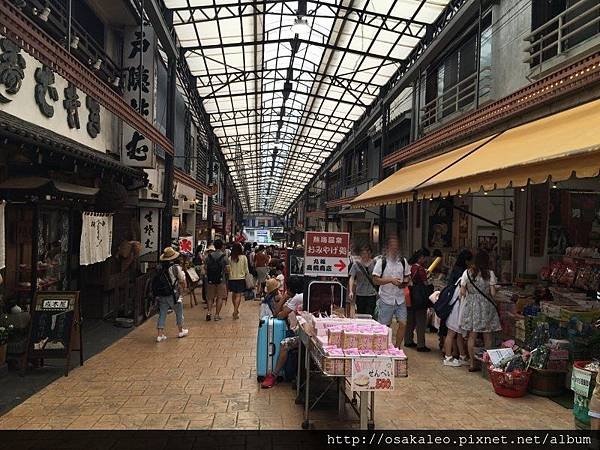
[(509, 384)]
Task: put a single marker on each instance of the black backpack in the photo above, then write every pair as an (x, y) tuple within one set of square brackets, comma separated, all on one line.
[(214, 269), (444, 305), (161, 283)]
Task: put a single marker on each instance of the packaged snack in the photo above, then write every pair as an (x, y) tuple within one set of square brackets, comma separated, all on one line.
[(334, 336), (350, 338), (365, 340)]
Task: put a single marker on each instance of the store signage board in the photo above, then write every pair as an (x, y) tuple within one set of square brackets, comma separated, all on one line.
[(204, 207), (186, 244), (139, 92), (372, 374), (149, 228), (55, 327), (326, 254)]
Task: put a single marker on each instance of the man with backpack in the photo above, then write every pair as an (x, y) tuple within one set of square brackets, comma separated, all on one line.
[(392, 275), (167, 286), (216, 284)]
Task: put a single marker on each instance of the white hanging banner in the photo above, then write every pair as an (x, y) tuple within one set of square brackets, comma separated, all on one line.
[(204, 207), (2, 237), (96, 238), (149, 226)]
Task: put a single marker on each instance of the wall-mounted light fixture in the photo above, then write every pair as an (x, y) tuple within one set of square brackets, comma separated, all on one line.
[(42, 14), (375, 233)]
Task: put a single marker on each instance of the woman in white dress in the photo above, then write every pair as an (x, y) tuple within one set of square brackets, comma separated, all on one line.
[(479, 311)]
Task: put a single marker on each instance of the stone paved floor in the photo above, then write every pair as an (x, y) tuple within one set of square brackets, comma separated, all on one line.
[(207, 380)]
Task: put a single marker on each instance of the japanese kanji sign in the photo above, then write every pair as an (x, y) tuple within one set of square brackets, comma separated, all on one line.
[(372, 374), (186, 244), (326, 254), (149, 226), (139, 85)]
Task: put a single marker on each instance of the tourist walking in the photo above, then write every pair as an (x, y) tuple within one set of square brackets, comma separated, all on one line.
[(238, 270), (419, 302), (392, 274), (479, 313), (362, 289), (216, 288), (452, 323), (167, 286)]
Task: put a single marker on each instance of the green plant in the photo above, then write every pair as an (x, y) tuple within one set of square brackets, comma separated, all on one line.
[(5, 332)]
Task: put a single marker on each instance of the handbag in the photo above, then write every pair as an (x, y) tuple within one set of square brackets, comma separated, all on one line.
[(250, 284), (484, 295)]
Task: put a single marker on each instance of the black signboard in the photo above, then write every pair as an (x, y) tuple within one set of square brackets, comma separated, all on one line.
[(55, 327), (278, 237)]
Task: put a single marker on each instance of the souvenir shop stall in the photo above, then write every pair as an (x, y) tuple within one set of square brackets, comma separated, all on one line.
[(352, 357)]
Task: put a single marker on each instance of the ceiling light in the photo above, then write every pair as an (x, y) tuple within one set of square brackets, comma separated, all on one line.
[(300, 27), (74, 42)]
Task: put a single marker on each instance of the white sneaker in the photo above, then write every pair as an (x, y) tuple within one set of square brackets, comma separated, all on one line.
[(452, 362), (183, 333), (463, 361), (161, 338)]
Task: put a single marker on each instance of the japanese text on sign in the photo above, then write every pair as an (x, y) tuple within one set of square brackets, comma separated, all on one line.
[(373, 374), (327, 254)]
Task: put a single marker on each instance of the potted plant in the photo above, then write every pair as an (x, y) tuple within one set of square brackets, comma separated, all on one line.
[(4, 334)]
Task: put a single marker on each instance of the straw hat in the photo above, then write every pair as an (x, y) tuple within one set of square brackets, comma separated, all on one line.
[(272, 285), (169, 254)]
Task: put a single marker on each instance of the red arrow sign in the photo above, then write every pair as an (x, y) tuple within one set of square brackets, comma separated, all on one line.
[(340, 266)]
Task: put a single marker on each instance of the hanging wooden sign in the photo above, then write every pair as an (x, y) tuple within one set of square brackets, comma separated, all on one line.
[(55, 327)]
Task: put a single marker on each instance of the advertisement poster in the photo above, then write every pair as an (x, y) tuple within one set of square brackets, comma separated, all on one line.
[(372, 374)]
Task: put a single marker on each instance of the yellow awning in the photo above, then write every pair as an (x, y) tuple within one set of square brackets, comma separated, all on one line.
[(555, 147), (400, 186)]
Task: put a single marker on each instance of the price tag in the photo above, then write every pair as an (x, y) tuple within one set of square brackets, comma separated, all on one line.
[(372, 374)]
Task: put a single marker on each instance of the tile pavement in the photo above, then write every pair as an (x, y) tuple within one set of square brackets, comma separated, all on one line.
[(207, 381)]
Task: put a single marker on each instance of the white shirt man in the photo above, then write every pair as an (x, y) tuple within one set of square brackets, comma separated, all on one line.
[(392, 279)]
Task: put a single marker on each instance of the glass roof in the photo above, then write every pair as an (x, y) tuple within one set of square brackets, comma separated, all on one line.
[(279, 102)]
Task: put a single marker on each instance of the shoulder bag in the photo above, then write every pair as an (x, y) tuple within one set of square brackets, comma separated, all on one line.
[(484, 295)]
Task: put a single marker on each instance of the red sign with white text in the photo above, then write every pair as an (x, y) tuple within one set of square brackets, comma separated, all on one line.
[(326, 254)]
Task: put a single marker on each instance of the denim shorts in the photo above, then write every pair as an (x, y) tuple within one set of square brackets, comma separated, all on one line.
[(388, 312)]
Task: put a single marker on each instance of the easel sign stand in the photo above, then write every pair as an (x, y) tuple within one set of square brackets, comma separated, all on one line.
[(55, 328)]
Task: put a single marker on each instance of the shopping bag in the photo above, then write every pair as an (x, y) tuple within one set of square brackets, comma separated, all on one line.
[(250, 284)]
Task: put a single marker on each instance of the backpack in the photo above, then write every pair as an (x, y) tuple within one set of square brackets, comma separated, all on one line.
[(214, 270), (161, 283), (445, 303)]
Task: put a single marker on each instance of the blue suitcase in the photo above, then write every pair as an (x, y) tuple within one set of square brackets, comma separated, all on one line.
[(271, 332)]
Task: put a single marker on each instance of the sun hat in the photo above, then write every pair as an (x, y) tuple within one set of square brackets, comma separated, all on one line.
[(272, 284), (169, 254)]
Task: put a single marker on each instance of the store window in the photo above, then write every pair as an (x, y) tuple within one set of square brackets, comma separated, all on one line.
[(574, 20), (453, 84), (355, 166), (52, 230), (53, 249)]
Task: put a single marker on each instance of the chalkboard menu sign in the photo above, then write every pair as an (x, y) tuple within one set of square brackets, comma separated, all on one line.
[(55, 326)]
